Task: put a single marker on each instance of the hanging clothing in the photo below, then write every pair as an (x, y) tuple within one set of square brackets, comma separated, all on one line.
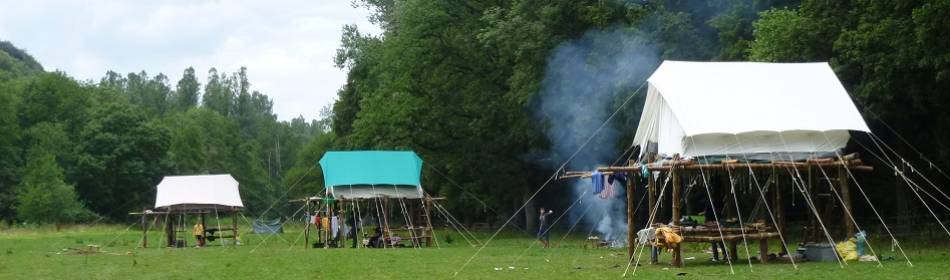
[(646, 236), (597, 181), (335, 226), (198, 230), (608, 190), (619, 177)]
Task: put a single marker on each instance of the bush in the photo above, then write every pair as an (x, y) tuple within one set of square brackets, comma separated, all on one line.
[(43, 196)]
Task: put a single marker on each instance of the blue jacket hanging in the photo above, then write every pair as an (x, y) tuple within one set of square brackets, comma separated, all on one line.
[(617, 176), (597, 181)]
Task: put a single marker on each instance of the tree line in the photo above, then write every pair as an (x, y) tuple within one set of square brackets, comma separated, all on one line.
[(459, 83), (74, 151)]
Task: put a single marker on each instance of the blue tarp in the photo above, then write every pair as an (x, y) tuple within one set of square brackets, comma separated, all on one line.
[(369, 168), (271, 227)]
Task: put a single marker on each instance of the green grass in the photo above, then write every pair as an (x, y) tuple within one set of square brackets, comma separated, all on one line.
[(37, 254)]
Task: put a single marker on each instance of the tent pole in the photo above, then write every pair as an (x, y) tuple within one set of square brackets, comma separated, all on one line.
[(168, 229), (144, 230), (201, 219), (812, 219), (652, 209), (777, 206), (630, 218), (428, 204), (184, 227), (342, 221), (306, 229), (677, 253), (846, 199), (234, 229), (386, 219)]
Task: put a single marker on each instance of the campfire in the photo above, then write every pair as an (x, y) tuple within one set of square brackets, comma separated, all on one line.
[(597, 242)]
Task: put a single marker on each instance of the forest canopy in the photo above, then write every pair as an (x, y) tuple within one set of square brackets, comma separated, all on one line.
[(466, 85)]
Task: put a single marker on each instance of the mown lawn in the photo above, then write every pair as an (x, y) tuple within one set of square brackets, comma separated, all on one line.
[(38, 254)]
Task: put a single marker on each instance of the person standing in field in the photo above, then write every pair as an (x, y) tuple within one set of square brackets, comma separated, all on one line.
[(543, 226), (199, 232)]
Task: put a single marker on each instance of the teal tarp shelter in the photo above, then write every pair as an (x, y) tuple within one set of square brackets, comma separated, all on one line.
[(368, 174)]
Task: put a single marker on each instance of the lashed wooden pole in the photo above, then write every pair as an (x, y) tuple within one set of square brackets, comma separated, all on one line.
[(651, 210), (677, 252), (846, 199), (631, 186), (144, 229)]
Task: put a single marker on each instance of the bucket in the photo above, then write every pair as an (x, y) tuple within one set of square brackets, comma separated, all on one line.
[(821, 252)]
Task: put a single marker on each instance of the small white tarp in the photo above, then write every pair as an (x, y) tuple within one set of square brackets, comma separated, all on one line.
[(730, 108), (198, 192)]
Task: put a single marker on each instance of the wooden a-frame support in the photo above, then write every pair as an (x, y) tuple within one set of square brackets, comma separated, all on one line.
[(680, 168)]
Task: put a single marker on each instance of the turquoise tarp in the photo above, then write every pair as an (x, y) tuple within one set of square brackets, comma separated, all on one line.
[(371, 168)]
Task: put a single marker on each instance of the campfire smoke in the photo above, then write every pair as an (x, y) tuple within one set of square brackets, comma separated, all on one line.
[(585, 81)]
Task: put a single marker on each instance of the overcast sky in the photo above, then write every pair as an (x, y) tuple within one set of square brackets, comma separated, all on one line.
[(288, 46)]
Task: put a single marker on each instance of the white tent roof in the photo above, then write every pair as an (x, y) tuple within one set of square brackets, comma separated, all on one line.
[(198, 192), (719, 108)]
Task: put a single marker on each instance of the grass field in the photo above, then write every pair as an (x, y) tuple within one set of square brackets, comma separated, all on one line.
[(38, 253)]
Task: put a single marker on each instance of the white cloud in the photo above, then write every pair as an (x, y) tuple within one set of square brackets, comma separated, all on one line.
[(287, 46)]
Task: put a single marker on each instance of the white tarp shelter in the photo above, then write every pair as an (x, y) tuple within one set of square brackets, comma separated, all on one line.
[(198, 192), (751, 108)]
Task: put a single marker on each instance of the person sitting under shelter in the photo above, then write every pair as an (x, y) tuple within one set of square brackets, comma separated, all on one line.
[(374, 241)]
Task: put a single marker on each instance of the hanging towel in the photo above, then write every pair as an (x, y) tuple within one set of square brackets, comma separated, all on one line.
[(597, 181), (334, 226), (646, 236), (608, 190)]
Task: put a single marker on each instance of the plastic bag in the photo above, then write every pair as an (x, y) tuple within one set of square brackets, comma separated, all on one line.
[(847, 250)]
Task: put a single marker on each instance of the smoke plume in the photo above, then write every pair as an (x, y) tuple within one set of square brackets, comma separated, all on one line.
[(585, 81)]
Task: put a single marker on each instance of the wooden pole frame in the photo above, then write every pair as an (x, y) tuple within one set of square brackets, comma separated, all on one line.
[(144, 229), (306, 229), (676, 168), (631, 187), (677, 249), (653, 208), (846, 200)]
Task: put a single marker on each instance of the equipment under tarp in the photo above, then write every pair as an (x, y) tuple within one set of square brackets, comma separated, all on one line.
[(268, 227), (368, 174), (197, 192), (750, 108)]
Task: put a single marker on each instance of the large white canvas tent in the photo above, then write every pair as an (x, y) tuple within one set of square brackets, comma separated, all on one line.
[(198, 192), (756, 109)]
